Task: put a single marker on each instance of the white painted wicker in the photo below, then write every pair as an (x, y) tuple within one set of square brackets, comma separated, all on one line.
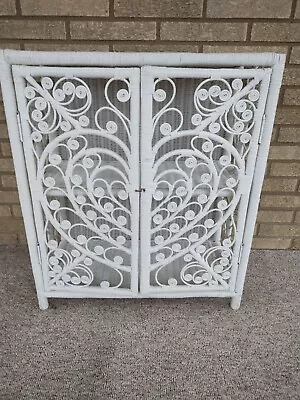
[(123, 202)]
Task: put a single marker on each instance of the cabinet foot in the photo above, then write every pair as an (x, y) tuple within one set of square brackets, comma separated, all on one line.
[(43, 302), (235, 302)]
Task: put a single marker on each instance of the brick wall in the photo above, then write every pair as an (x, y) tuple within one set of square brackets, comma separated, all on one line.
[(172, 25)]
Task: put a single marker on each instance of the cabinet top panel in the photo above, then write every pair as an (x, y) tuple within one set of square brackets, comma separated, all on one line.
[(141, 59)]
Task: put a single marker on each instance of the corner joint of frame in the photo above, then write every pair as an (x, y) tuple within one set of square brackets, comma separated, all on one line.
[(4, 64), (17, 71), (2, 57), (279, 58)]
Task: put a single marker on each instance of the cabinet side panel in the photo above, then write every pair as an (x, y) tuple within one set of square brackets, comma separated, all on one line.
[(260, 167), (11, 111)]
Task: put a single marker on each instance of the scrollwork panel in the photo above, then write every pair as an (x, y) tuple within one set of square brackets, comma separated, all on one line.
[(203, 131), (82, 136)]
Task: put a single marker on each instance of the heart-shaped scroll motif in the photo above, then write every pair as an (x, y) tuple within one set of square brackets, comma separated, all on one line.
[(193, 197), (84, 208), (198, 175)]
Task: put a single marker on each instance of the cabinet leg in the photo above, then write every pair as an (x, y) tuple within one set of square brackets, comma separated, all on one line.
[(236, 302), (43, 302)]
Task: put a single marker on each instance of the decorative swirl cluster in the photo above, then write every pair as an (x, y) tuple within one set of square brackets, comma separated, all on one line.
[(231, 104), (206, 265), (209, 267), (160, 95), (63, 105), (123, 96), (57, 105), (68, 269), (211, 94)]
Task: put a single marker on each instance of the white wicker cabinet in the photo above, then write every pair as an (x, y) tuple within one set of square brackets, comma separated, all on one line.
[(139, 174)]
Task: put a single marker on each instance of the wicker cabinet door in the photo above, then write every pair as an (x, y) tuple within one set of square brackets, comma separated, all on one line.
[(80, 131), (200, 137)]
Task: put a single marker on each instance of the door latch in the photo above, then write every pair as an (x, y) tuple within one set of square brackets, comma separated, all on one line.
[(140, 190)]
